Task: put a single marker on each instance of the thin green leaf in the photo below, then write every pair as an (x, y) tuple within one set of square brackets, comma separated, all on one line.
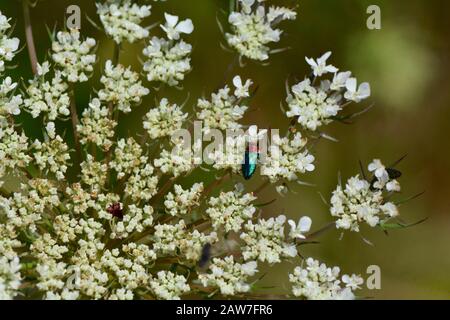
[(94, 24), (399, 225), (409, 199), (265, 204), (398, 161)]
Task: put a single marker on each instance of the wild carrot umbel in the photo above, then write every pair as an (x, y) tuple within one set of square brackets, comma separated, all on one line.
[(127, 224)]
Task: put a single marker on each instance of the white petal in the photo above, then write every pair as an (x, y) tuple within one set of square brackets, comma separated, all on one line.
[(332, 69), (185, 26), (346, 278), (293, 225), (291, 251), (237, 82), (253, 131), (311, 62), (171, 20), (300, 87), (325, 57), (248, 3), (350, 84), (281, 219), (343, 76), (364, 89), (305, 224)]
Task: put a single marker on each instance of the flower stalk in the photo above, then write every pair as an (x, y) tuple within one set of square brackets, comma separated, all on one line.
[(75, 122), (29, 36)]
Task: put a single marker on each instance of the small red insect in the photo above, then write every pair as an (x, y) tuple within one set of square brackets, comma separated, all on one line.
[(116, 210)]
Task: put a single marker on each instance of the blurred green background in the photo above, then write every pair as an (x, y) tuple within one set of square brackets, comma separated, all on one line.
[(408, 66)]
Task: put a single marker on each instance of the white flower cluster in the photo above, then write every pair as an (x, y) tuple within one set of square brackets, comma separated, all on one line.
[(315, 106), (96, 127), (231, 156), (81, 200), (52, 155), (169, 286), (93, 173), (229, 276), (9, 243), (10, 278), (13, 150), (225, 107), (127, 156), (9, 103), (287, 158), (8, 46), (364, 201), (47, 97), (122, 87), (164, 120), (169, 60), (74, 56), (318, 282), (177, 240), (254, 28), (142, 184), (67, 229), (230, 210), (135, 219), (91, 268), (51, 280), (265, 241), (121, 20), (180, 160), (23, 209), (129, 268), (182, 201)]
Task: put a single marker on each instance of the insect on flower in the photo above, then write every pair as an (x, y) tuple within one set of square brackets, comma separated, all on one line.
[(251, 156), (385, 175), (250, 161), (206, 255)]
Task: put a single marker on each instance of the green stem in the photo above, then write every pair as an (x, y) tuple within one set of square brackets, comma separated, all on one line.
[(29, 36), (261, 187), (215, 184), (169, 183), (116, 55), (322, 230), (115, 61), (75, 122)]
